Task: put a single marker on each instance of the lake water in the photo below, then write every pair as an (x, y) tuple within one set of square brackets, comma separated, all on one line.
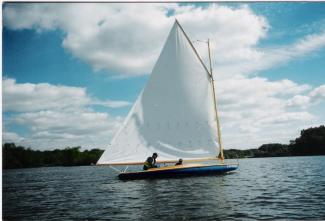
[(265, 188)]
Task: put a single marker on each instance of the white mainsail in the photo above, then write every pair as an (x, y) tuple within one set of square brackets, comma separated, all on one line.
[(174, 115)]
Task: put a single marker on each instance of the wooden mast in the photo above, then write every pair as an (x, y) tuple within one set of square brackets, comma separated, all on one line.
[(215, 106)]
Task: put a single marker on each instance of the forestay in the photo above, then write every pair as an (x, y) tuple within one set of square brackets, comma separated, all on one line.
[(174, 115)]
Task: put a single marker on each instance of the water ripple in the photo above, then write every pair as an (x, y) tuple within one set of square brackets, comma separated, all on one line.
[(262, 189)]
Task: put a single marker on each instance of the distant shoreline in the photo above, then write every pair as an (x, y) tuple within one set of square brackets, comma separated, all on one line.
[(310, 143), (44, 166), (255, 157)]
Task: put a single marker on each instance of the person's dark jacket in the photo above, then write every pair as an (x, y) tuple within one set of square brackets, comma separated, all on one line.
[(150, 163)]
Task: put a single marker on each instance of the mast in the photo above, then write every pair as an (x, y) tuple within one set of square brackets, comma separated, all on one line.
[(215, 106)]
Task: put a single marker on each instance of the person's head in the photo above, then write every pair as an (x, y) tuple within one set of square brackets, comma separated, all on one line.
[(180, 160), (155, 155)]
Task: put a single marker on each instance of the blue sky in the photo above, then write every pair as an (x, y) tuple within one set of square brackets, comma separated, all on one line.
[(102, 60)]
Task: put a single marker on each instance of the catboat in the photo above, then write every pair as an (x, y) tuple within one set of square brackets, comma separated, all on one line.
[(175, 116)]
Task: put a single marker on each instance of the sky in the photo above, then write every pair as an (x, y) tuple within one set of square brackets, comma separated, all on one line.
[(71, 71)]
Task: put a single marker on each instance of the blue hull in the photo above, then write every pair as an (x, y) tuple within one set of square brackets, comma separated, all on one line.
[(179, 172)]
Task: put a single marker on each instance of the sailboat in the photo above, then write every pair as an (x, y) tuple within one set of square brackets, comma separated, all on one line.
[(175, 116)]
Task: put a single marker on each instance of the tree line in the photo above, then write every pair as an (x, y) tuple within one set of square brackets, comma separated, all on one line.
[(310, 142), (20, 157)]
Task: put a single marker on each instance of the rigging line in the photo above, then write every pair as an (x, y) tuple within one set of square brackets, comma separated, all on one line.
[(117, 170), (125, 168)]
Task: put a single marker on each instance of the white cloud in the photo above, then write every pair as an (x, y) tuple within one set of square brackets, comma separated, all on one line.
[(127, 38), (256, 110), (123, 38), (318, 94), (56, 116), (110, 103), (233, 31), (239, 92), (266, 58), (11, 137), (314, 97), (42, 96), (54, 129), (298, 49), (299, 101)]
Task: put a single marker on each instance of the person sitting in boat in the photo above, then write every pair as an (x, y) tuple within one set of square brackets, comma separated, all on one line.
[(150, 162), (180, 162)]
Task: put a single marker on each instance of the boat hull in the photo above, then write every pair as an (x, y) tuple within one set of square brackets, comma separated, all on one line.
[(178, 171)]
